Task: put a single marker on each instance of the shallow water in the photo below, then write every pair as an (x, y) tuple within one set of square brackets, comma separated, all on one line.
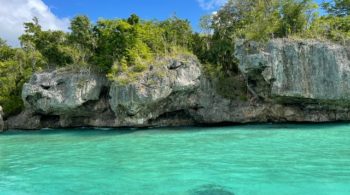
[(252, 159)]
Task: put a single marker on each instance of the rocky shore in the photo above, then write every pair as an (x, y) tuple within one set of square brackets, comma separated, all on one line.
[(286, 81)]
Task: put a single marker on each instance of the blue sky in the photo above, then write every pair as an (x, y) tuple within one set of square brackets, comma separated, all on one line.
[(148, 9), (55, 14)]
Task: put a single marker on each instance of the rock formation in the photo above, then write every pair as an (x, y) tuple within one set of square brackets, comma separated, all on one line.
[(294, 70), (167, 89), (62, 92), (162, 96), (286, 80)]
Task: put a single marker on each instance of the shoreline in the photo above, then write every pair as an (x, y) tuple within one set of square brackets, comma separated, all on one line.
[(180, 127)]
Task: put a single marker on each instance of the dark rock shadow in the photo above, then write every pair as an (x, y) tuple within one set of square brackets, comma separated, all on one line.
[(210, 189)]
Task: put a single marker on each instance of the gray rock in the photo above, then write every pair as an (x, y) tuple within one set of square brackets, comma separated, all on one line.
[(294, 70), (26, 120), (167, 88), (61, 92), (64, 98), (296, 81), (162, 96), (287, 81)]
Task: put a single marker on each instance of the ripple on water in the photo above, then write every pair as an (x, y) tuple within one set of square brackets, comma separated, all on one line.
[(252, 159)]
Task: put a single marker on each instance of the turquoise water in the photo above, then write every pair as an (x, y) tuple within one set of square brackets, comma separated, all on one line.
[(252, 159)]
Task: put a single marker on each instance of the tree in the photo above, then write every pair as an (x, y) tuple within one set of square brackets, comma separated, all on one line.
[(205, 24), (6, 52), (10, 87), (262, 21), (16, 66), (114, 36), (296, 16), (177, 32), (233, 21), (337, 7), (53, 45), (133, 19), (82, 38), (336, 25)]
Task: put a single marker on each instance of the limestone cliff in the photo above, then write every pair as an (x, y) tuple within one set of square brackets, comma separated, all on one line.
[(62, 92), (161, 96), (294, 70), (168, 89), (286, 80)]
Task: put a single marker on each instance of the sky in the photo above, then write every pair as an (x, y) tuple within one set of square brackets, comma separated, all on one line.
[(55, 14)]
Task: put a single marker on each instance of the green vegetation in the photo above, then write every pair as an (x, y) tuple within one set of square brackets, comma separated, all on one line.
[(120, 48), (337, 7), (16, 65), (336, 25), (261, 20), (257, 20), (124, 48), (108, 43)]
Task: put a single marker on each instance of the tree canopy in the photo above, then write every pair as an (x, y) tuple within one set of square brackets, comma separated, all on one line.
[(337, 7)]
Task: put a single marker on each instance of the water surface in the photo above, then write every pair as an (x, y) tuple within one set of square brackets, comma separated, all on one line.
[(252, 159)]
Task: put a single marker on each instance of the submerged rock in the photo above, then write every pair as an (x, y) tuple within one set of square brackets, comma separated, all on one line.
[(211, 189)]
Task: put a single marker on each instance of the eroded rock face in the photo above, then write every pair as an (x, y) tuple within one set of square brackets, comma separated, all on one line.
[(162, 96), (1, 120), (61, 92), (167, 88), (299, 70), (64, 98), (286, 81), (294, 81), (27, 120)]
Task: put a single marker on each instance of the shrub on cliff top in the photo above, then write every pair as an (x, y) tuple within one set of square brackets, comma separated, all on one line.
[(108, 42)]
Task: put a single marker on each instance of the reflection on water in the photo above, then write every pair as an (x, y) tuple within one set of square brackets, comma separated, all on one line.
[(251, 159)]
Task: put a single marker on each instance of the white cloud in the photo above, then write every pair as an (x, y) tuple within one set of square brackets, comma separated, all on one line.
[(211, 4), (13, 13)]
